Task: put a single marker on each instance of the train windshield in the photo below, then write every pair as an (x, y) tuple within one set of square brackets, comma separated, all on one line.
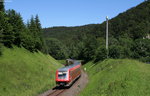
[(62, 75)]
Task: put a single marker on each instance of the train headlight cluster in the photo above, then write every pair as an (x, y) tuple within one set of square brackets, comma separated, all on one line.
[(60, 73)]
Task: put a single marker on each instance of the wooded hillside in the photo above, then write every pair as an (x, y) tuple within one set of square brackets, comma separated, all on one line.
[(127, 36)]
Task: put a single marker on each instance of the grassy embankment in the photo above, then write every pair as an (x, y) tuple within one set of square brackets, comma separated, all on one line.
[(118, 78), (23, 73), (62, 61)]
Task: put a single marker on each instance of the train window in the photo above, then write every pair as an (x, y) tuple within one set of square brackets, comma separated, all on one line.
[(62, 75)]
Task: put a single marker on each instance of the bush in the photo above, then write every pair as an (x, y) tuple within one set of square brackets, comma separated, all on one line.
[(141, 50), (101, 54), (115, 52)]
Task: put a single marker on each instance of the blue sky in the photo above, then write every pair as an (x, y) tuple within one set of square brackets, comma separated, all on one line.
[(70, 12)]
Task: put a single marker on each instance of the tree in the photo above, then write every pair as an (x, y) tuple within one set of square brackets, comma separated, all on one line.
[(101, 54), (73, 51), (141, 49), (127, 44), (7, 35), (38, 24), (90, 48), (2, 7), (56, 49), (40, 45), (113, 41), (115, 51), (16, 22), (35, 29), (34, 34), (27, 40)]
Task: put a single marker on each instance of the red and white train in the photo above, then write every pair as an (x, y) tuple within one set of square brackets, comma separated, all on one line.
[(67, 75)]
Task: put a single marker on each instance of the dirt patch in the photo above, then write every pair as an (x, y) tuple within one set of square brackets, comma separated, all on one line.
[(75, 89)]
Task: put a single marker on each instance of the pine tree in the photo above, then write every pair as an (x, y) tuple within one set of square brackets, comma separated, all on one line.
[(40, 42), (16, 21), (28, 40), (33, 32), (7, 35), (32, 27), (38, 24), (2, 8)]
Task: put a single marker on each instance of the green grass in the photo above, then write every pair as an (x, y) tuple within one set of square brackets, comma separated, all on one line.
[(118, 78), (62, 61), (23, 73)]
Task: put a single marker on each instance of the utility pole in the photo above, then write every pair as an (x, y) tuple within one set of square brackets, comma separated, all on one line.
[(107, 36)]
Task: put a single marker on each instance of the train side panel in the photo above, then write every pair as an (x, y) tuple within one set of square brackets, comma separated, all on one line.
[(74, 73)]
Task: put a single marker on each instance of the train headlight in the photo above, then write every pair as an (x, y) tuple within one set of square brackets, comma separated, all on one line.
[(60, 73), (64, 72)]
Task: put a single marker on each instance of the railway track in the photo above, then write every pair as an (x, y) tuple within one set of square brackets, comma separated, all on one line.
[(56, 92), (60, 90)]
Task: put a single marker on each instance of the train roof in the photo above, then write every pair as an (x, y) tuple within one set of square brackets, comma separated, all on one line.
[(66, 68), (70, 59)]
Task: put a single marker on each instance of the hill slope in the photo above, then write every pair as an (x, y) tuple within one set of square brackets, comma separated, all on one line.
[(133, 23), (67, 33), (23, 73), (118, 78), (126, 32)]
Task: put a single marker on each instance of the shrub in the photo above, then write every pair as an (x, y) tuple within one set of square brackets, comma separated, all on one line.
[(115, 52), (101, 54)]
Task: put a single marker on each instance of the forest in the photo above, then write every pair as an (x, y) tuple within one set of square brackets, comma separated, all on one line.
[(129, 37)]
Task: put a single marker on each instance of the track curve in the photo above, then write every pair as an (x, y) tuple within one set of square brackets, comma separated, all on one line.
[(56, 92)]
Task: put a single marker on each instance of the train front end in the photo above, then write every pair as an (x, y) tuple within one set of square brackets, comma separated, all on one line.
[(62, 77)]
